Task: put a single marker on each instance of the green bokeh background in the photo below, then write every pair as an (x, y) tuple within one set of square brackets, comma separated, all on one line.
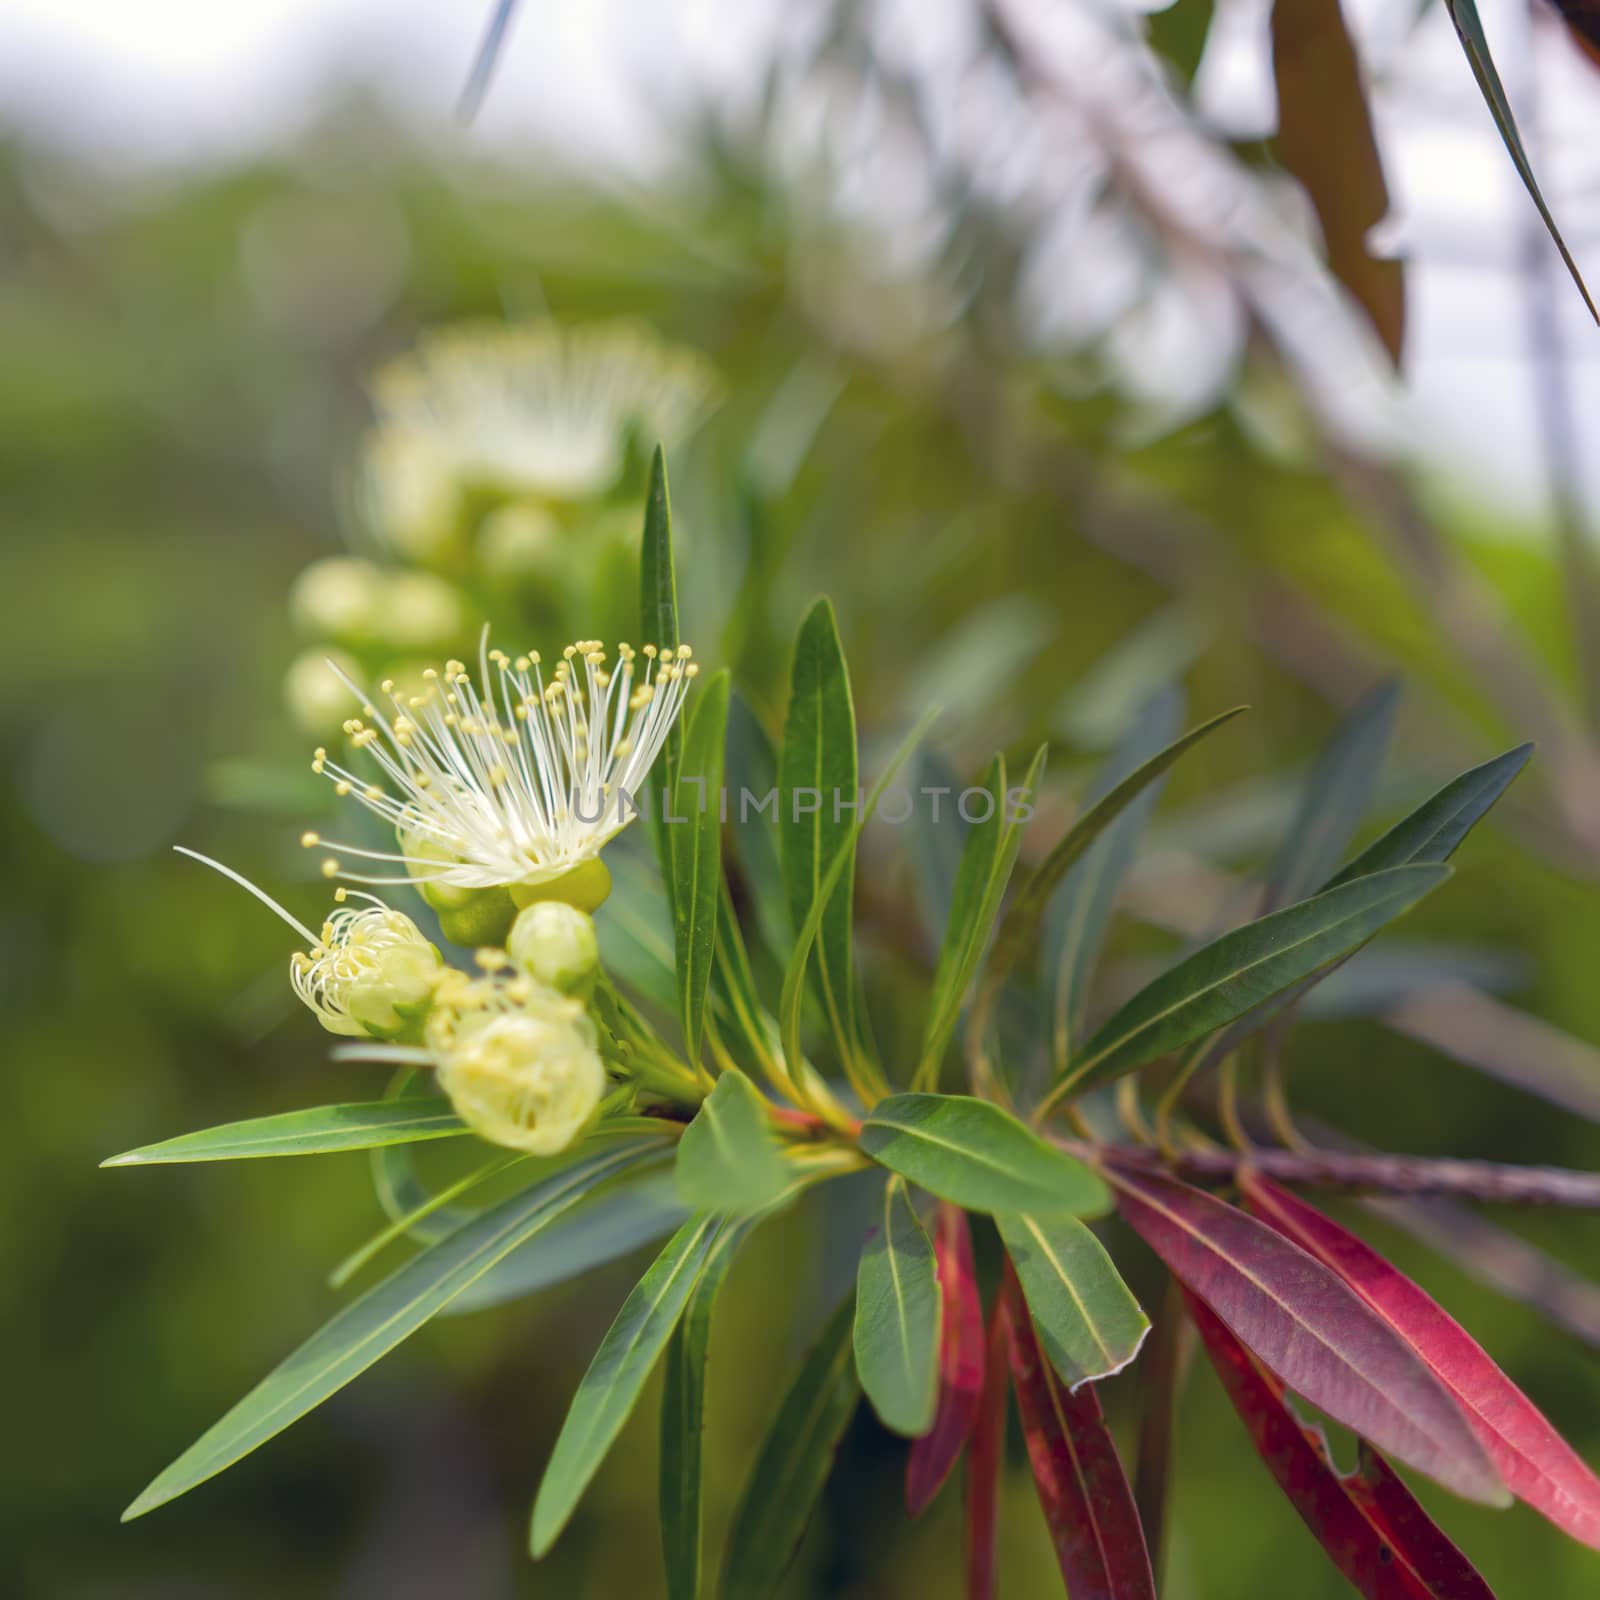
[(179, 397)]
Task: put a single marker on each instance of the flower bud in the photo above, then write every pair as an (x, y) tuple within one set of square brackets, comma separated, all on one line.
[(312, 690), (417, 611), (337, 598), (409, 496), (372, 972), (555, 945), (522, 543), (520, 1063)]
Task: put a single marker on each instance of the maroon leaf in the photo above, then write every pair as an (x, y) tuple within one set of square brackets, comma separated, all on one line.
[(1310, 1328), (984, 1457), (961, 1359), (1374, 1531), (1539, 1467), (1082, 1487)]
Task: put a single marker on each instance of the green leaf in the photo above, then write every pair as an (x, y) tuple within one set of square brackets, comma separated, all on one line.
[(1085, 1315), (986, 866), (1079, 914), (1232, 975), (1433, 831), (793, 1465), (935, 849), (1028, 908), (752, 776), (978, 1156), (635, 926), (658, 625), (794, 976), (1334, 800), (728, 1159), (898, 1312), (315, 1131), (683, 1422), (697, 855), (1469, 29), (817, 765), (372, 1326), (611, 1386)]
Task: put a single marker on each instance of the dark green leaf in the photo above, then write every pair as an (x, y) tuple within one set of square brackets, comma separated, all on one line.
[(753, 809), (897, 1317), (315, 1131), (372, 1326), (697, 855), (611, 1386), (793, 1464), (728, 1159), (978, 1156), (1085, 1315), (658, 623)]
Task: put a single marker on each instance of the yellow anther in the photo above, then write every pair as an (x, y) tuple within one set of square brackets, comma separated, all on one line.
[(330, 868), (310, 840)]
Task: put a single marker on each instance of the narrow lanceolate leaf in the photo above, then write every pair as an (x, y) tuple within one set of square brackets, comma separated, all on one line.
[(373, 1325), (314, 1131), (1369, 1523), (1079, 913), (793, 1465), (1469, 29), (1538, 1466), (1336, 795), (817, 799), (985, 1457), (978, 1156), (611, 1386), (961, 1360), (1310, 1329), (1234, 974), (658, 623), (683, 1423), (1085, 1316), (1082, 1488), (752, 779), (697, 855), (897, 1317), (1435, 828), (728, 1159)]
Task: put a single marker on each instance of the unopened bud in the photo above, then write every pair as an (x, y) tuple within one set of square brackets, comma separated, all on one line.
[(522, 543), (317, 699), (417, 611), (410, 498), (337, 598), (555, 944)]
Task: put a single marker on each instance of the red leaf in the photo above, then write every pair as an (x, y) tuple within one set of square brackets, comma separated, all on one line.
[(1082, 1487), (983, 1465), (1374, 1531), (1310, 1328), (1539, 1467), (961, 1360)]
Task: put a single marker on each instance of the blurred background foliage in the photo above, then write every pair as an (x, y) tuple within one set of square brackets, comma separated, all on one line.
[(1034, 519)]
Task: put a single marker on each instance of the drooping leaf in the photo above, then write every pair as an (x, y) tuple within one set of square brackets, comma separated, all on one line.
[(985, 1457), (1310, 1329), (1232, 975), (1085, 1316), (1435, 828), (728, 1160), (961, 1362), (817, 780), (897, 1317), (1339, 788), (1083, 1490), (978, 1156), (1538, 1466), (616, 1375), (683, 1422), (1325, 139), (1080, 911), (697, 854), (1368, 1522), (793, 1464), (314, 1131), (1469, 29), (633, 1212), (372, 1326), (658, 625)]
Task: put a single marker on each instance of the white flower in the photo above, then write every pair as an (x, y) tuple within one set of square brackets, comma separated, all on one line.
[(540, 409), (520, 1063), (371, 972), (510, 781)]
